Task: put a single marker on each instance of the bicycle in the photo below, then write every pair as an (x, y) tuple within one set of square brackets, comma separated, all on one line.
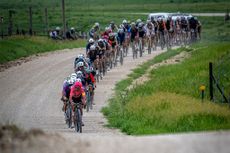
[(140, 45), (77, 117), (162, 40), (68, 114), (134, 49), (89, 98)]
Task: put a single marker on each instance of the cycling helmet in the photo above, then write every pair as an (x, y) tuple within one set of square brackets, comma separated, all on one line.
[(140, 25), (97, 24), (138, 20), (91, 40), (78, 80), (112, 22), (93, 47), (58, 28), (124, 21), (73, 75), (79, 74), (71, 81), (81, 56), (72, 28), (107, 29), (100, 40), (80, 64)]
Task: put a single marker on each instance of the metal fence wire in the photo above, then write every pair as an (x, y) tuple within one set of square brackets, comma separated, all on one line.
[(221, 79)]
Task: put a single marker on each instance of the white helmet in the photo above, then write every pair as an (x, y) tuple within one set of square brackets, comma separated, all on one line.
[(91, 40), (72, 28), (80, 56), (97, 24), (74, 78), (78, 80), (100, 40), (58, 28), (73, 75), (79, 74), (71, 81), (106, 28), (138, 20), (80, 64), (124, 21)]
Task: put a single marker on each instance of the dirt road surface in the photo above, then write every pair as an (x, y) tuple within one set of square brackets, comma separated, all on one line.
[(30, 97)]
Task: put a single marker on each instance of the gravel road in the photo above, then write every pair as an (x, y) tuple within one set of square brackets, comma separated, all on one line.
[(30, 97)]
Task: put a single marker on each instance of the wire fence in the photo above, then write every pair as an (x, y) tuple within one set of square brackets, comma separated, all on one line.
[(221, 79)]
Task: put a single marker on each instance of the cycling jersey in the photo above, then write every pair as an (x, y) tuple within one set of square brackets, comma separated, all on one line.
[(133, 32), (162, 26), (66, 89), (112, 41), (121, 38), (77, 93), (150, 29)]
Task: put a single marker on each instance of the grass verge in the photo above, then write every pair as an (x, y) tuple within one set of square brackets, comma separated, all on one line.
[(170, 101), (15, 47)]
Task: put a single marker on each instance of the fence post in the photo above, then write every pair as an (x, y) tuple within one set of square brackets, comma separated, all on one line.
[(30, 21), (211, 81)]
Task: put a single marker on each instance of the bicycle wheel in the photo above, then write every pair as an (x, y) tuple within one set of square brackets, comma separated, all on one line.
[(121, 56), (140, 47), (69, 116), (78, 122), (88, 100), (149, 46)]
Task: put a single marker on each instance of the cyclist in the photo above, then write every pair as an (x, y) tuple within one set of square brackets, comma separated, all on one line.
[(121, 36), (142, 33), (105, 35), (161, 29), (199, 27), (66, 92), (90, 81), (94, 31), (90, 43), (113, 43), (150, 32), (170, 29), (133, 32), (77, 95), (193, 23), (126, 28), (92, 53), (113, 26)]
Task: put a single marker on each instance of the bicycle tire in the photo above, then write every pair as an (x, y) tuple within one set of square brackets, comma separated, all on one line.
[(69, 116)]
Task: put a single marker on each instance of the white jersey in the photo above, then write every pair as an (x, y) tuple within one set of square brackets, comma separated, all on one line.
[(150, 31)]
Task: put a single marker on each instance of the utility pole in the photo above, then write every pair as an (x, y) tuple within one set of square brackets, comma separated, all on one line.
[(63, 19), (30, 21), (46, 22)]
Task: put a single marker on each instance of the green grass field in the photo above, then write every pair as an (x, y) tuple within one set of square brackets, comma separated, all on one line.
[(81, 14), (171, 101), (18, 46)]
